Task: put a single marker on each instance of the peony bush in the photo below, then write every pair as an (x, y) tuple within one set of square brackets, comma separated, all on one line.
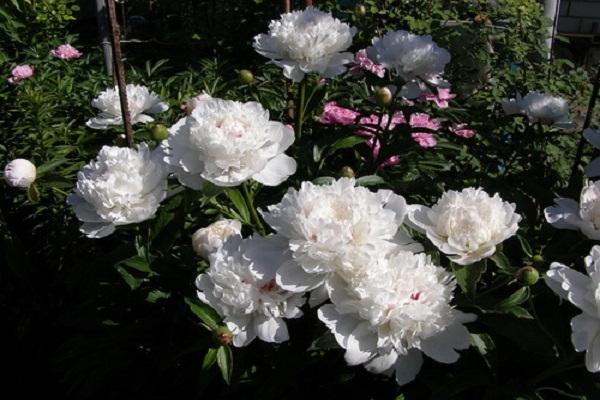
[(364, 209)]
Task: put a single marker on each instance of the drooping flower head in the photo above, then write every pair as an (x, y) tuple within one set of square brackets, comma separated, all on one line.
[(228, 142), (139, 99), (415, 58), (334, 229), (209, 239), (397, 311), (121, 186), (307, 41), (542, 107), (19, 73), (20, 173), (583, 291), (240, 285), (65, 52), (466, 225), (583, 216)]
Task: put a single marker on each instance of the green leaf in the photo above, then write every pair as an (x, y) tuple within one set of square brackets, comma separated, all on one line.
[(518, 297), (225, 362), (502, 262), (207, 315), (49, 166), (519, 312), (138, 263), (323, 180), (156, 295), (209, 358), (346, 142), (131, 280), (467, 277), (525, 246), (370, 180), (239, 203), (482, 342)]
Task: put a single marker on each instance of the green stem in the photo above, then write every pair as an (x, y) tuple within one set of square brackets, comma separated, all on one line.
[(301, 107), (538, 321), (250, 203)]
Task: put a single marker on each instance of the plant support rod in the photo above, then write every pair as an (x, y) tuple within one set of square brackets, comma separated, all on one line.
[(119, 70)]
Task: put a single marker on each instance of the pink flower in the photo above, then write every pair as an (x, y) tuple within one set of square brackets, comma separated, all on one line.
[(424, 139), (335, 115), (462, 130), (369, 124), (422, 120), (363, 63), (66, 52), (393, 160), (20, 72), (441, 99)]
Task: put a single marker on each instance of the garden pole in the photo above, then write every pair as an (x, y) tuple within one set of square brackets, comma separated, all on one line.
[(104, 39), (287, 6), (308, 3), (551, 10), (586, 124), (120, 70)]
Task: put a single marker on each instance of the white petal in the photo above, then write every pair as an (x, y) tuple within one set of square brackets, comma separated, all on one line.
[(270, 329), (361, 345), (585, 328), (97, 230), (341, 325), (570, 285), (441, 346), (592, 356), (408, 366), (291, 276), (592, 136), (383, 363), (267, 255), (242, 329), (318, 296), (277, 170), (564, 215)]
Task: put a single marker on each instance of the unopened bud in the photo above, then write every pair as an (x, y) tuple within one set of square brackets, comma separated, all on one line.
[(347, 172), (527, 275), (246, 77), (159, 132), (360, 10), (211, 238), (383, 96), (20, 173), (223, 335), (538, 260)]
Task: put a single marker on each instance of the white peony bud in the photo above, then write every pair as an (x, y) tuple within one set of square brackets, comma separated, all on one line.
[(209, 239), (20, 173)]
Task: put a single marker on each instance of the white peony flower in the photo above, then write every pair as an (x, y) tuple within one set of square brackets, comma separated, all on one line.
[(593, 137), (209, 239), (584, 217), (335, 228), (227, 142), (583, 291), (417, 59), (542, 107), (188, 105), (240, 285), (139, 99), (121, 186), (307, 41), (466, 225), (20, 173), (402, 309)]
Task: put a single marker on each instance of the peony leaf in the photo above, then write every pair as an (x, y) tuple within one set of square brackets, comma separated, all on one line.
[(370, 180), (467, 277), (239, 203), (209, 358), (346, 142), (211, 320), (518, 297), (225, 362)]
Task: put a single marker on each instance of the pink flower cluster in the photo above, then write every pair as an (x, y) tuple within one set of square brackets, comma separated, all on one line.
[(422, 120), (440, 99), (19, 73), (335, 115), (462, 130), (362, 63), (65, 52)]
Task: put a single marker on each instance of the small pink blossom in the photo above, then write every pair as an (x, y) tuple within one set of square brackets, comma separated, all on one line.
[(335, 115), (422, 120), (424, 139), (441, 99), (362, 63), (20, 72), (393, 160), (66, 52), (462, 130), (370, 123)]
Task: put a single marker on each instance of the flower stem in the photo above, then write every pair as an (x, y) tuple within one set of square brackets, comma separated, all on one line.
[(250, 203), (301, 108)]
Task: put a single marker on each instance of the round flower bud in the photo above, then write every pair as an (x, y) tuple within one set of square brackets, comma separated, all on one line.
[(209, 239), (246, 77), (121, 140), (159, 132), (527, 275), (20, 173), (346, 172), (538, 259), (223, 335), (360, 10), (383, 96)]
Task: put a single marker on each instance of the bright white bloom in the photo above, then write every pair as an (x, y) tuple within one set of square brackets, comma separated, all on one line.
[(307, 41), (415, 58), (466, 225), (20, 173), (209, 239), (583, 291), (542, 107), (593, 136), (139, 99), (227, 142), (399, 311), (335, 228), (121, 186), (240, 285), (188, 105), (584, 217)]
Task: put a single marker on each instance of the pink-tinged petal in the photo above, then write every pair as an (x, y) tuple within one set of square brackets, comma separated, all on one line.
[(462, 130), (424, 139), (335, 115), (20, 72), (66, 52), (422, 120), (393, 160)]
